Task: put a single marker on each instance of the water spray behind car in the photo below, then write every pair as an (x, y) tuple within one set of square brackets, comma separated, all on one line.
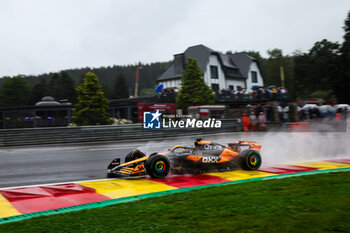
[(279, 147)]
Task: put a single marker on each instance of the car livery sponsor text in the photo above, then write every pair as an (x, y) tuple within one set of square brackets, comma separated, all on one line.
[(210, 159)]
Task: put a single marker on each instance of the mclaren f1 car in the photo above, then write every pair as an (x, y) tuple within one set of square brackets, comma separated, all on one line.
[(205, 156)]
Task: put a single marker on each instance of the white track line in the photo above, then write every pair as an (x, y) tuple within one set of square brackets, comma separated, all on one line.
[(36, 185)]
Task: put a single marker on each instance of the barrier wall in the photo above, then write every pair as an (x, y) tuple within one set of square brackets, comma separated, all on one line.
[(40, 136)]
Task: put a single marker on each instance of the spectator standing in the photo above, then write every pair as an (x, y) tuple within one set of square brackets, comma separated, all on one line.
[(338, 115), (246, 122), (253, 121), (302, 115), (232, 94), (262, 121), (268, 112), (259, 109), (239, 94), (274, 92)]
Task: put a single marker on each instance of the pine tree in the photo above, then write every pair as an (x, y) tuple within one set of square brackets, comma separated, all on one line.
[(92, 106), (120, 88), (344, 82), (53, 86), (14, 92), (39, 90), (65, 86), (317, 72), (107, 90), (61, 86), (194, 91)]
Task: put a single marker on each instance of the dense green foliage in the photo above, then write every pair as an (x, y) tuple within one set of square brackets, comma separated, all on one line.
[(92, 106), (343, 91), (271, 67), (317, 203), (39, 90), (318, 70), (61, 85), (14, 92), (319, 73), (17, 92), (194, 91), (121, 90), (322, 72), (148, 92)]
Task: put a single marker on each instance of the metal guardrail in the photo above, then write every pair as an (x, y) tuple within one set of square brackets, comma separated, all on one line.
[(52, 135)]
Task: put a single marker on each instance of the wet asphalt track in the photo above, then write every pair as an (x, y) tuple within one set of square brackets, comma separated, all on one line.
[(64, 163)]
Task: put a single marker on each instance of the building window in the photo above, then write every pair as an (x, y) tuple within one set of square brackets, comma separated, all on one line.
[(215, 87), (214, 72), (231, 87), (254, 77), (239, 88)]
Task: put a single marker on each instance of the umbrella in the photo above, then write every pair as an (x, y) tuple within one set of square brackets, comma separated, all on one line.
[(272, 86), (255, 86), (159, 88)]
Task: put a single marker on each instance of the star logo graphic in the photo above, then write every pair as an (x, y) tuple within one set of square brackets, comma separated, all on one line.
[(156, 115), (151, 120)]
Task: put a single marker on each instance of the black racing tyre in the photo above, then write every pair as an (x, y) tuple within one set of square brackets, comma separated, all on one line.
[(250, 159), (157, 166), (132, 155)]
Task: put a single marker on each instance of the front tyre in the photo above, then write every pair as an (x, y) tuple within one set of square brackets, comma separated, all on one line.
[(135, 154), (157, 166), (250, 159)]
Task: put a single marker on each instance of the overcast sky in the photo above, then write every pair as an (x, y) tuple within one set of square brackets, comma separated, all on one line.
[(40, 36)]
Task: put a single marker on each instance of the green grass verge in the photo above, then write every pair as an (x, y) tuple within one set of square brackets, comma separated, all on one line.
[(315, 203)]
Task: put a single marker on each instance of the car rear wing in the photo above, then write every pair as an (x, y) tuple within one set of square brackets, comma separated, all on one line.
[(244, 145)]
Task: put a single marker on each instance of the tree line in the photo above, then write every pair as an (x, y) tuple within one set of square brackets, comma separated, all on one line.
[(117, 82), (318, 73), (322, 72)]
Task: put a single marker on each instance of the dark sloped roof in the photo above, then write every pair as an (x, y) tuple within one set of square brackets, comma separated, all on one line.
[(235, 65), (47, 101), (227, 61), (169, 73), (243, 61), (200, 52)]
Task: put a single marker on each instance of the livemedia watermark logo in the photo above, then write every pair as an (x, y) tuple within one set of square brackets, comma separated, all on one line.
[(153, 120)]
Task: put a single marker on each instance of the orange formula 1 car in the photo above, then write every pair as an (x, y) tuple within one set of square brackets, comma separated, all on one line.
[(203, 157)]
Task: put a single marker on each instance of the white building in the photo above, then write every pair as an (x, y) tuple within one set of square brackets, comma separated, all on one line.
[(220, 71)]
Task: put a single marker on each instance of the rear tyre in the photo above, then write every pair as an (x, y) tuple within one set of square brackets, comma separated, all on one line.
[(157, 166), (250, 159), (135, 154)]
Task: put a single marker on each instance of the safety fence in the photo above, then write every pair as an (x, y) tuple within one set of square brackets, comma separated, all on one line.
[(52, 135)]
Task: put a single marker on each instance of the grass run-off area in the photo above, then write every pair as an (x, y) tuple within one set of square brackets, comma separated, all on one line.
[(314, 203)]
